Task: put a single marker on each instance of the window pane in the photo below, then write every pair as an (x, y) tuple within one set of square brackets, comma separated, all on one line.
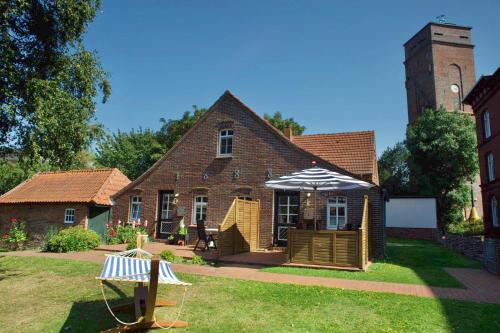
[(341, 211), (341, 221), (294, 210), (283, 210), (341, 199), (333, 211), (294, 200), (283, 200)]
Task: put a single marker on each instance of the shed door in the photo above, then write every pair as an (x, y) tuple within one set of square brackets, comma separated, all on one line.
[(287, 206), (98, 217), (165, 225)]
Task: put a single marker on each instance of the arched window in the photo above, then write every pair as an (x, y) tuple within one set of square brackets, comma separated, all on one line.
[(491, 167), (486, 124), (494, 212)]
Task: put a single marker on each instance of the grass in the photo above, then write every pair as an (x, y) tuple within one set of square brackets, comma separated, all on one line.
[(409, 261), (54, 295)]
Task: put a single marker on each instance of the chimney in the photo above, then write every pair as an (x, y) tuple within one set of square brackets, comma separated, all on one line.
[(289, 133)]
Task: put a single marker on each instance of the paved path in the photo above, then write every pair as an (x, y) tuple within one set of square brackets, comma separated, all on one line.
[(481, 286)]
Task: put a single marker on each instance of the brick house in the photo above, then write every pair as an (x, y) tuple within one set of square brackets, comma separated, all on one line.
[(230, 152), (485, 101), (60, 199)]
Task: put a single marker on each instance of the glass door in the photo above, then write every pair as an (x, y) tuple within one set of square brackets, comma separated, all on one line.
[(165, 225), (287, 208)]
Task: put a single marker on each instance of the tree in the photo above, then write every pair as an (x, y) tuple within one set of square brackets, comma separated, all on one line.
[(393, 169), (49, 80), (133, 153), (443, 158), (173, 129), (277, 121)]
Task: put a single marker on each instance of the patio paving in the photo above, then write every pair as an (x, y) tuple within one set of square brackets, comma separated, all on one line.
[(481, 286)]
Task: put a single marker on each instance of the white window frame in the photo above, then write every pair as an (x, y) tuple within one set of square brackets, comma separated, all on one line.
[(226, 136), (490, 164), (166, 214), (69, 215), (135, 201), (494, 212), (288, 205), (335, 202), (486, 124), (203, 207)]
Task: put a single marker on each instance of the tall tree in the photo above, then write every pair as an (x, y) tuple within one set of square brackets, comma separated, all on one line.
[(281, 123), (133, 153), (173, 129), (393, 169), (443, 158), (49, 80)]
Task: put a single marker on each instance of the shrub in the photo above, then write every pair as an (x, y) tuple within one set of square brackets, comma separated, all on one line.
[(197, 260), (50, 233), (168, 255), (122, 234), (17, 234), (466, 228), (73, 239)]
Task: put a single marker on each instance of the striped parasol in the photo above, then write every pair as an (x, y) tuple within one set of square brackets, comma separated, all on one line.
[(317, 179)]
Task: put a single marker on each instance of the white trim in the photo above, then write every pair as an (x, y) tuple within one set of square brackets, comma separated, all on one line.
[(203, 206), (219, 139), (337, 205), (135, 203), (66, 215)]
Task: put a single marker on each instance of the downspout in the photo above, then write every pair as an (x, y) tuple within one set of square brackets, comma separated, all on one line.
[(385, 198)]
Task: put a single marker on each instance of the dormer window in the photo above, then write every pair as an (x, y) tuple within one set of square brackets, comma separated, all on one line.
[(225, 148)]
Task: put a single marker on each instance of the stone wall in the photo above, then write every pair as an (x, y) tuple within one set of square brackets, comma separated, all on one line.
[(431, 234), (470, 246), (492, 255)]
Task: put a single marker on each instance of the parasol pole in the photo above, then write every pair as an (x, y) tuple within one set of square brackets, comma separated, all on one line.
[(315, 203)]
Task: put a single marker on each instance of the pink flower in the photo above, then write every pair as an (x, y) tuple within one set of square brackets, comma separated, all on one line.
[(119, 222), (145, 223), (13, 220)]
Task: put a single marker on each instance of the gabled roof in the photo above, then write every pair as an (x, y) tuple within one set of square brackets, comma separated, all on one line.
[(479, 91), (353, 151), (82, 186), (279, 135)]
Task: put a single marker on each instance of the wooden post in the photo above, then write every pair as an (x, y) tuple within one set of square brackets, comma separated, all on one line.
[(153, 289)]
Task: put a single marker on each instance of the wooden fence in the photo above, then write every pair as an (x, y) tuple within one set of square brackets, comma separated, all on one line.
[(239, 231), (331, 247)]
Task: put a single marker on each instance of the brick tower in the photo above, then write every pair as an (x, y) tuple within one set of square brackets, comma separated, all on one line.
[(439, 66), (439, 63)]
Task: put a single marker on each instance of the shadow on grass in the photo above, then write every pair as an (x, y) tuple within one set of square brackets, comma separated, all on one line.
[(93, 316)]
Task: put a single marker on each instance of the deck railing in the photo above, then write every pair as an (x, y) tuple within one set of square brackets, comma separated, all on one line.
[(331, 247)]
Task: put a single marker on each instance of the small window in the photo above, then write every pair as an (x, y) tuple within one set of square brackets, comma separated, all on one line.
[(69, 215), (486, 125), (494, 212), (491, 167), (336, 213), (225, 148), (245, 197), (200, 208), (135, 207)]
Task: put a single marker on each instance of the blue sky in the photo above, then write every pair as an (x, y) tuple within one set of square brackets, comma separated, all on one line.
[(334, 66)]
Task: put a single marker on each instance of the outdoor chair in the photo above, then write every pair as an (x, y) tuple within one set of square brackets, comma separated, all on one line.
[(202, 236)]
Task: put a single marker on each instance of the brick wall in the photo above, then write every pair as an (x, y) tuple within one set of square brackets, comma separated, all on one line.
[(256, 149), (40, 218)]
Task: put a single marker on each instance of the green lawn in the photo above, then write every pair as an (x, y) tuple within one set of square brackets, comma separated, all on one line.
[(52, 295), (409, 261)]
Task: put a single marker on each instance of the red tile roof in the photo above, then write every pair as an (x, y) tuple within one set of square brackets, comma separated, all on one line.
[(352, 151), (85, 186)]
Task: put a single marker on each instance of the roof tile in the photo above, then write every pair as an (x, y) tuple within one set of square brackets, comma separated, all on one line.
[(86, 186)]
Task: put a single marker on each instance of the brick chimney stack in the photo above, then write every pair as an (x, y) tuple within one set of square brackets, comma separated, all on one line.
[(289, 133)]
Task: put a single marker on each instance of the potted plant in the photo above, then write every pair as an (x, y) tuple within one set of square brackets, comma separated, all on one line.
[(182, 235)]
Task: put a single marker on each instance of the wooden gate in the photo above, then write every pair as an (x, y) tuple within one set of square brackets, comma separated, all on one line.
[(239, 232)]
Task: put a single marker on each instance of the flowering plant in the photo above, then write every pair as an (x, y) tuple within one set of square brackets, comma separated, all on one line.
[(121, 234), (16, 235)]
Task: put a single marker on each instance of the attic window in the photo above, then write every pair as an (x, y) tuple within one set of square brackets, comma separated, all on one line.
[(225, 143), (438, 34), (464, 37)]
